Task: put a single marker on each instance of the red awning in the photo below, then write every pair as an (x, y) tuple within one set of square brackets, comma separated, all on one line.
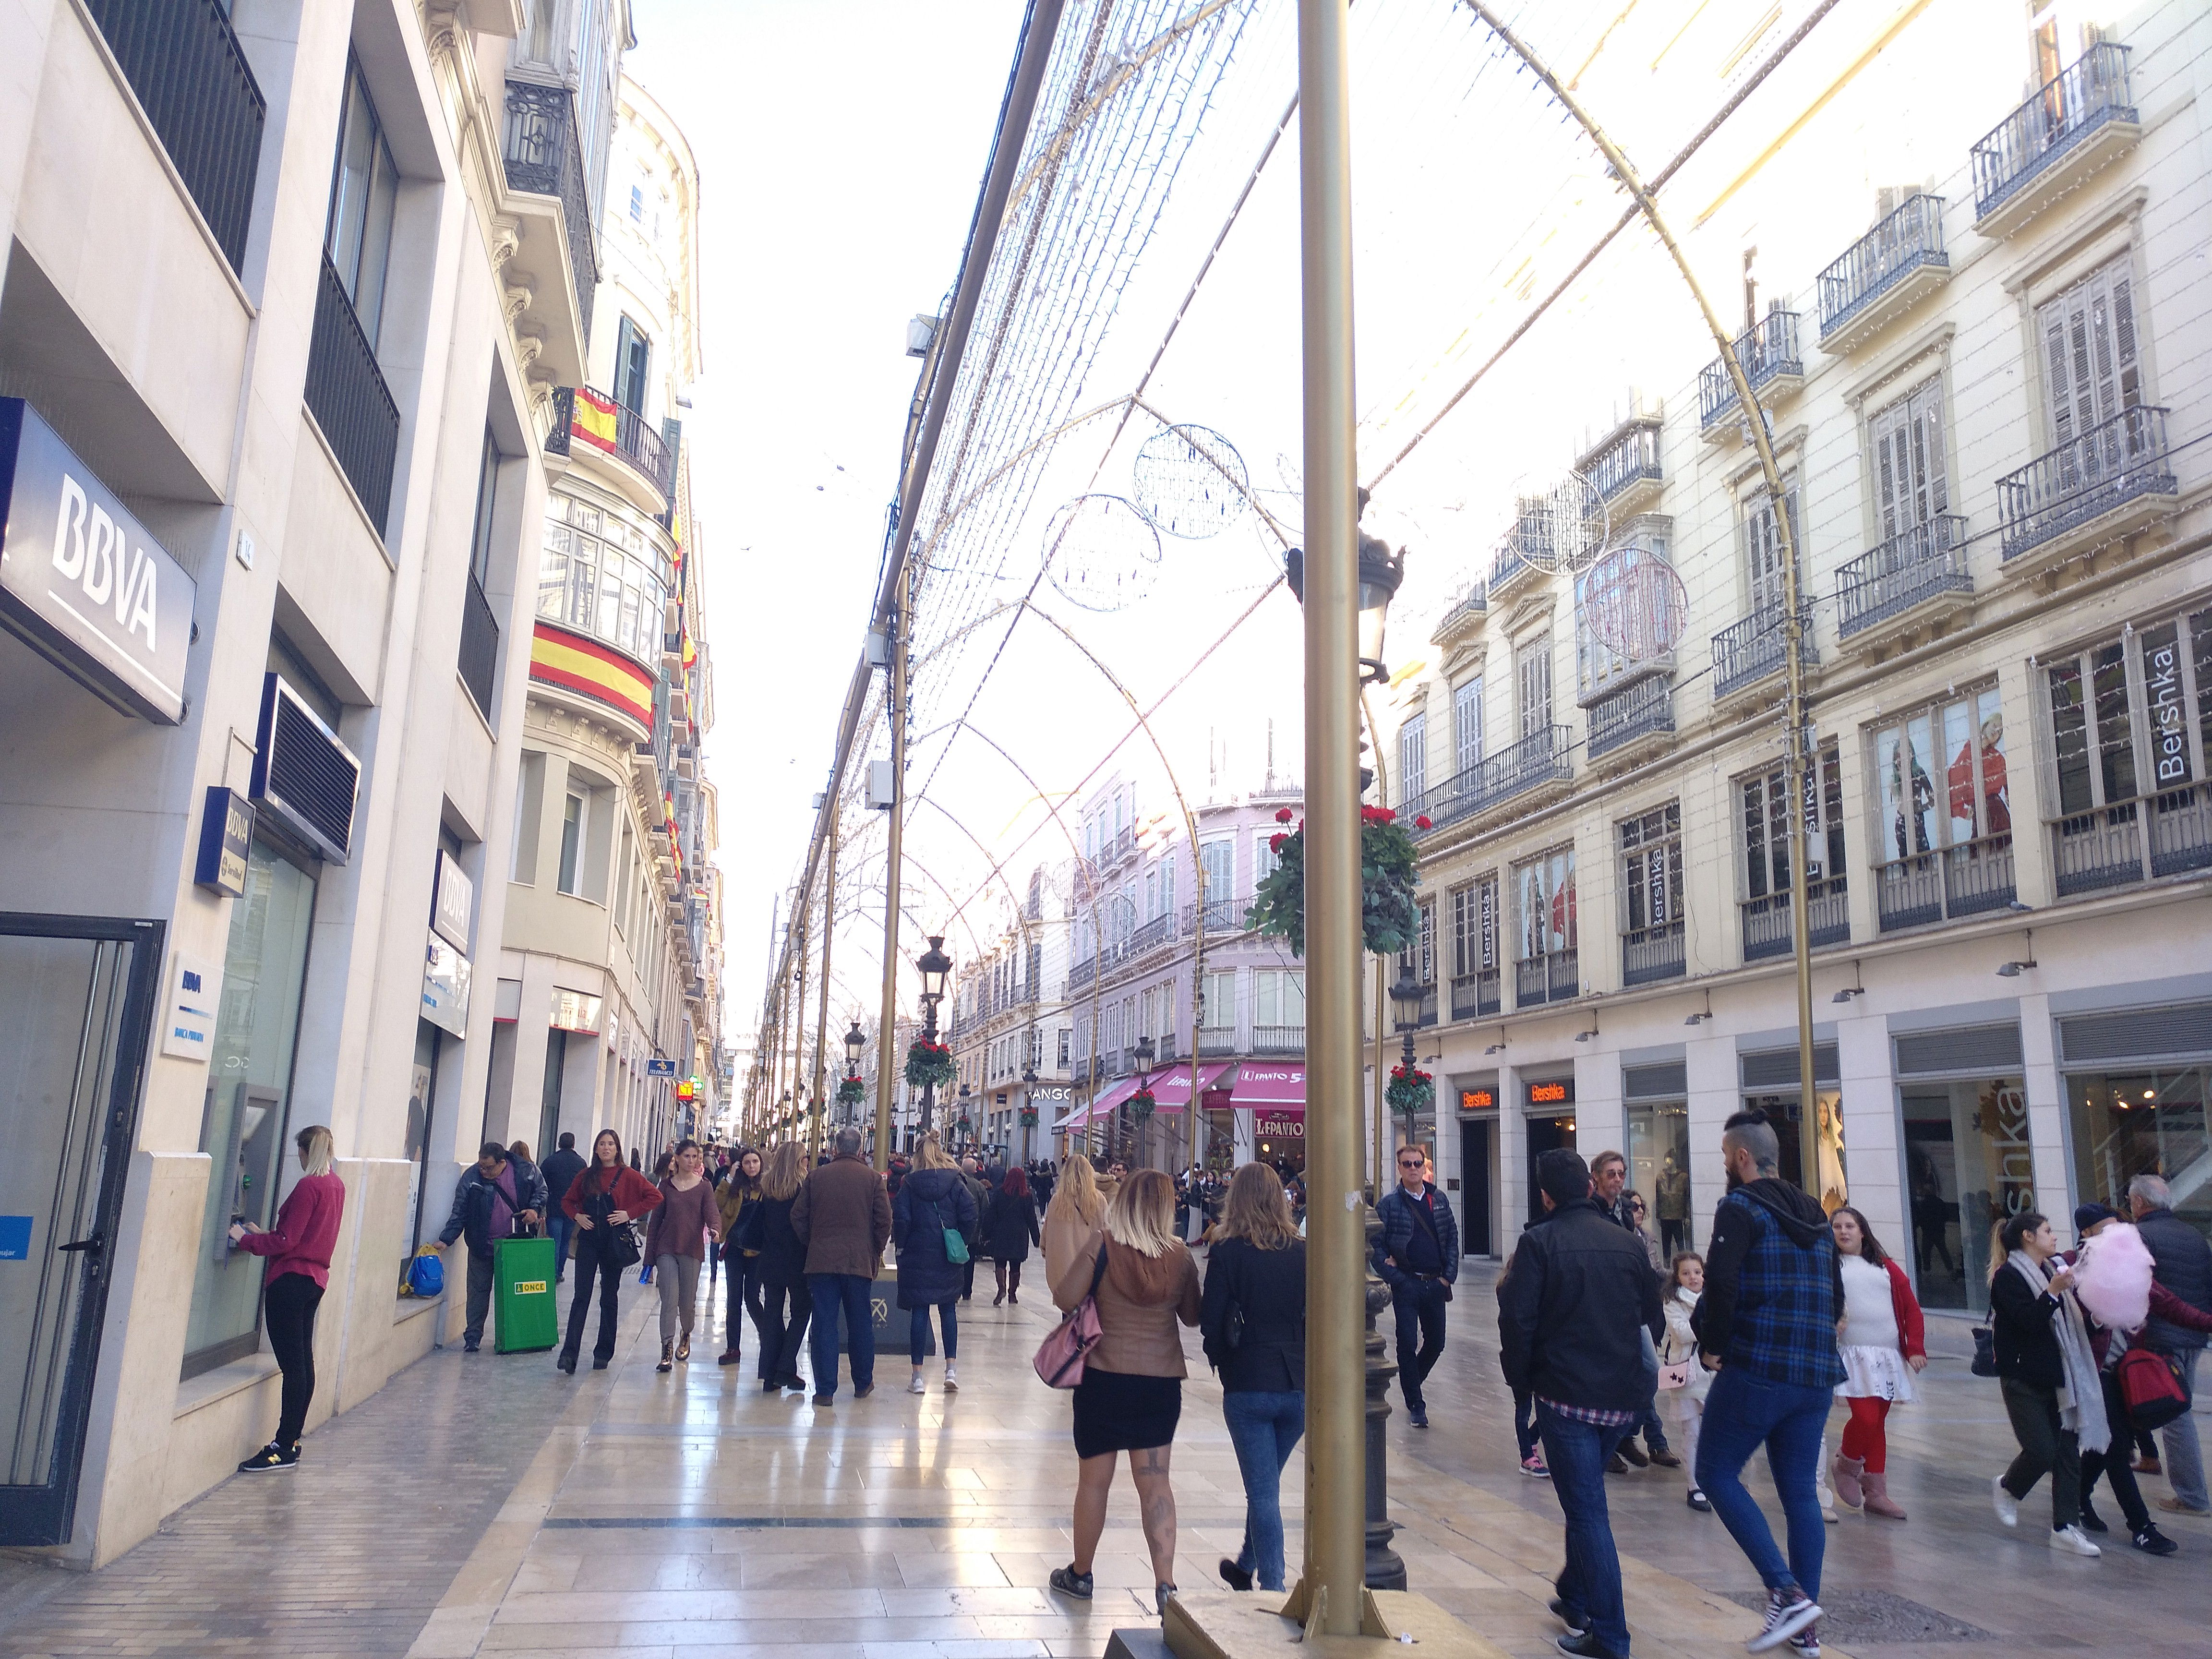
[(1275, 1087)]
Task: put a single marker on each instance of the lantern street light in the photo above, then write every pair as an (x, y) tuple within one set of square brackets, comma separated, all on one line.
[(856, 1043), (1145, 1052), (1407, 996), (967, 1110), (933, 965), (1029, 1107), (1382, 569)]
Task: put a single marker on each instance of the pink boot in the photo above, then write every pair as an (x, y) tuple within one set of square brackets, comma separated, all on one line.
[(1877, 1497), (1844, 1473)]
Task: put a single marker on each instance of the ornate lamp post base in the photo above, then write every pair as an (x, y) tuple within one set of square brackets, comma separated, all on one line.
[(1385, 1570)]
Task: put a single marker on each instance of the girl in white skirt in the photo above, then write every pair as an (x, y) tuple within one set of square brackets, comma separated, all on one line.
[(1881, 1347), (1685, 1282)]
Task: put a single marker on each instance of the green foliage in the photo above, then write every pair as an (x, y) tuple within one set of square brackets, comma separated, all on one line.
[(1387, 874), (1410, 1090), (929, 1062)]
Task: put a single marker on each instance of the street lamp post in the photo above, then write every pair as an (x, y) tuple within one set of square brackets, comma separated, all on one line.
[(1146, 1051), (856, 1044), (1028, 1108), (967, 1113), (933, 965)]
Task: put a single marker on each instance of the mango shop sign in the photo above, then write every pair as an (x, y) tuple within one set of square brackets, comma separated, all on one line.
[(82, 583)]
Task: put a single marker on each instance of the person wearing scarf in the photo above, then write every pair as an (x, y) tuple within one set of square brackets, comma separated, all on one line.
[(2048, 1373)]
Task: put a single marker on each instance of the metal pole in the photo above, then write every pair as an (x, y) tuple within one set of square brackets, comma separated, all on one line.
[(887, 1037), (1793, 621), (799, 1017), (828, 928), (1331, 1593)]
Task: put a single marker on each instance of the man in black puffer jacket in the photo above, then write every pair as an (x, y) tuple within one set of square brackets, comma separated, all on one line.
[(2182, 1262), (1567, 1319)]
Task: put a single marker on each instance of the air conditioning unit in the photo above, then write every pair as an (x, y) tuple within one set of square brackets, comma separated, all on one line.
[(302, 775), (883, 785)]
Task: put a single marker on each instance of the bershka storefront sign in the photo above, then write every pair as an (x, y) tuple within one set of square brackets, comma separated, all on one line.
[(82, 583)]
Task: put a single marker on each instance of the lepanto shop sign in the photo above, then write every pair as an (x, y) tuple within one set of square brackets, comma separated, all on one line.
[(81, 580)]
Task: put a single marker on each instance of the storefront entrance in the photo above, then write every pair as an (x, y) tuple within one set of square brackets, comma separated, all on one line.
[(1770, 1085), (78, 997), (1550, 1105)]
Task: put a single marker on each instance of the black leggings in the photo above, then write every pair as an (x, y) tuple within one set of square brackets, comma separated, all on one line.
[(2046, 1446), (783, 1338), (287, 1311), (744, 1293), (2113, 1463), (579, 1307)]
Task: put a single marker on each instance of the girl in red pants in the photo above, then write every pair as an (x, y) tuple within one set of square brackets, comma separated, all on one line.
[(1881, 1348)]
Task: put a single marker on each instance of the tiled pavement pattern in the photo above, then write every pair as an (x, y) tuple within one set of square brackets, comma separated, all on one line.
[(487, 1505)]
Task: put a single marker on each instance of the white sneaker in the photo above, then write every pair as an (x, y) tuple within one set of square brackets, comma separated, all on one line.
[(2069, 1540), (916, 1386), (2007, 1506), (952, 1379)]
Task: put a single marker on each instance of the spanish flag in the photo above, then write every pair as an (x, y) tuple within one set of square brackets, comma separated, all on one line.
[(576, 663), (593, 420)]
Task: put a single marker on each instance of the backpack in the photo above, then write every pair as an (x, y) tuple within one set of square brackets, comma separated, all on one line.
[(426, 1274)]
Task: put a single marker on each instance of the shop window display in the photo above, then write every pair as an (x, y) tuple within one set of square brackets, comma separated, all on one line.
[(1968, 1165), (2146, 1122), (1659, 1168)]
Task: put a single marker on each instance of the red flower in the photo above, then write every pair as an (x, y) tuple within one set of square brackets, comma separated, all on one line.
[(1422, 822), (1283, 816), (1275, 843)]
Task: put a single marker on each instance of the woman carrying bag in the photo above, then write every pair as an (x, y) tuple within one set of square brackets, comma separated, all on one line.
[(933, 1211), (1253, 1317), (602, 1200), (738, 1200), (2049, 1377)]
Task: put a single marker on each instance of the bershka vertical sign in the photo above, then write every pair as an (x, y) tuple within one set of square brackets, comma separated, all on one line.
[(82, 583)]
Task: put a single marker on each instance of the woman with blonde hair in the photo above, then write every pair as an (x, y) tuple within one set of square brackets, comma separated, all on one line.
[(932, 1201), (1130, 1399), (1076, 1209), (1253, 1317), (299, 1250), (786, 1303)]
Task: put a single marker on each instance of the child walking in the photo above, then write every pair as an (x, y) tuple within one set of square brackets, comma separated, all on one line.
[(1685, 1282), (1881, 1347)]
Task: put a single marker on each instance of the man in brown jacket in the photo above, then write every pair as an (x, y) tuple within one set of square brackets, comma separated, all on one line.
[(844, 1216)]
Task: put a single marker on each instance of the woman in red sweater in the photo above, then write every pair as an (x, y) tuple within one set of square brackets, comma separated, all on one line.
[(299, 1250), (604, 1196)]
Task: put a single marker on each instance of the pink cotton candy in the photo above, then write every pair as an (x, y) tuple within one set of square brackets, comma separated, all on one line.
[(2112, 1278)]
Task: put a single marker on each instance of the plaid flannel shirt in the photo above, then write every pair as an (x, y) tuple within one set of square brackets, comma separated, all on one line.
[(1786, 1303)]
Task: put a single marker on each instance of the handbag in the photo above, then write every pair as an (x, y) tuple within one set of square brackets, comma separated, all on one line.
[(1676, 1376), (1985, 1348), (956, 1242), (1060, 1357), (621, 1248), (2151, 1388)]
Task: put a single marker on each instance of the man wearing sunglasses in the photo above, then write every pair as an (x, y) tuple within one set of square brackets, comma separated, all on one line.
[(1417, 1255)]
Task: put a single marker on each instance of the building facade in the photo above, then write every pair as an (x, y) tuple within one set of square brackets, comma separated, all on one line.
[(274, 415), (1011, 1032), (607, 981), (1981, 388)]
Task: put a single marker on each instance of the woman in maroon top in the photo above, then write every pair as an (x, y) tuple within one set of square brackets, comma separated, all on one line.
[(607, 1194), (299, 1250)]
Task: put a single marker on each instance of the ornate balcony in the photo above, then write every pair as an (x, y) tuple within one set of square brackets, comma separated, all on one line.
[(1768, 351), (1884, 275), (1279, 1039), (1510, 570), (1641, 717), (1535, 762), (1950, 884), (2110, 847), (1751, 650), (347, 395), (1914, 578), (1648, 955), (1475, 995), (1766, 920), (2079, 123), (593, 419), (2111, 481), (1463, 616), (553, 221), (1624, 468)]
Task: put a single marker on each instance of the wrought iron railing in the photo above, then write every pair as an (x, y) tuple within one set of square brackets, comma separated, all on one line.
[(545, 157), (1216, 1041), (1650, 954), (1644, 709), (1279, 1039), (1907, 241), (2107, 847), (1222, 916), (2083, 98), (1766, 920), (1508, 566), (1536, 760), (1629, 459), (1473, 995), (185, 67), (1555, 976), (1951, 882), (1080, 975), (635, 438), (1747, 651), (1767, 351), (1428, 1014), (1913, 565), (1159, 931), (349, 399), (1472, 601), (479, 661), (2111, 463)]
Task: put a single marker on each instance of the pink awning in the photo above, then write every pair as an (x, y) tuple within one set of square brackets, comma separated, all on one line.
[(1271, 1086), (1171, 1090), (1108, 1098)]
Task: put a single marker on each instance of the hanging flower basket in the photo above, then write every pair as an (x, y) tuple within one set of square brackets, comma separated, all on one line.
[(962, 1128), (852, 1092), (1387, 872), (929, 1062), (1028, 1117), (1410, 1091), (1142, 1103)]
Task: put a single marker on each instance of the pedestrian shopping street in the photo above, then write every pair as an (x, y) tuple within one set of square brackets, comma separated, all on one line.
[(693, 1518)]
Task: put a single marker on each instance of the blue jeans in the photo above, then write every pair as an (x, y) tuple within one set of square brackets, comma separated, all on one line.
[(1741, 1412), (948, 1320), (1654, 1432), (1577, 1454), (1265, 1429), (847, 1291), (1417, 1306), (2184, 1456), (1524, 1423), (561, 1230)]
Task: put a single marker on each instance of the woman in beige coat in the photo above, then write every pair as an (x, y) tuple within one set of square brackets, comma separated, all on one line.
[(1130, 1399), (1077, 1209)]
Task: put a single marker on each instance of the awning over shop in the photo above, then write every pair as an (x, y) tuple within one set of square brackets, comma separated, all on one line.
[(1171, 1090), (1108, 1097), (1273, 1086)]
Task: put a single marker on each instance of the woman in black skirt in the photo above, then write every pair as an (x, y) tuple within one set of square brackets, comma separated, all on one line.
[(1131, 1395)]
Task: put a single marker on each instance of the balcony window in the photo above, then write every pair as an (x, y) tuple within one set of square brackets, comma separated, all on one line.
[(1532, 763), (1418, 961), (1476, 952), (1532, 680), (1599, 671), (603, 577), (1413, 756), (1547, 968), (1943, 813), (479, 658), (2089, 97), (364, 192), (1651, 896), (1882, 264), (1279, 1012), (2127, 762), (633, 366), (1466, 724), (1769, 355), (1763, 819)]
